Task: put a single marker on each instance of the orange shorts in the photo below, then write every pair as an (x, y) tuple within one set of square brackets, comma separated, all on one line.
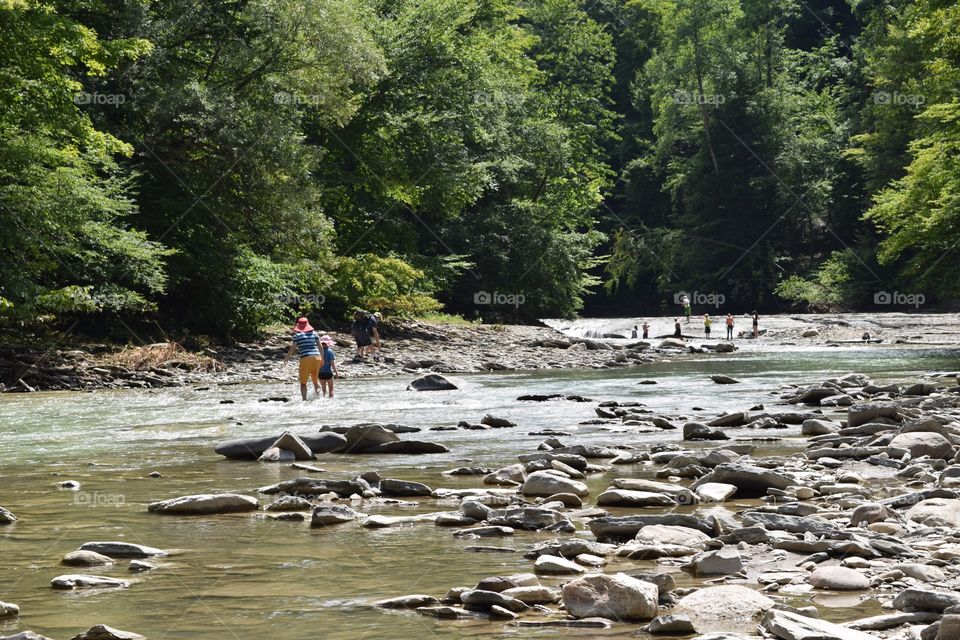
[(310, 368)]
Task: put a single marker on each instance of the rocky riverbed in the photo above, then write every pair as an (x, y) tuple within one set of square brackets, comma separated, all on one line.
[(704, 534)]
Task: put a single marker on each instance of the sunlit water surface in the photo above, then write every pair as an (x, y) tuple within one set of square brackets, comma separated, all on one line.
[(235, 576)]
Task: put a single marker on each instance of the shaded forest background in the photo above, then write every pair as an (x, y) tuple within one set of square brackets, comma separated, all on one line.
[(220, 166)]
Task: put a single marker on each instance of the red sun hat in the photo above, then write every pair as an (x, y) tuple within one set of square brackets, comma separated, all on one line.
[(303, 325)]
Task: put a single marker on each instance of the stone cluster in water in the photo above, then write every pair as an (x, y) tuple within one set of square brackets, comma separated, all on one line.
[(871, 507)]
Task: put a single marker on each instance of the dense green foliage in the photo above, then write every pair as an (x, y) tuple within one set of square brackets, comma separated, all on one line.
[(222, 166)]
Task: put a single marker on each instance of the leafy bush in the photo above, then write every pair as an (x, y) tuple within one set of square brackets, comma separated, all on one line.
[(386, 284)]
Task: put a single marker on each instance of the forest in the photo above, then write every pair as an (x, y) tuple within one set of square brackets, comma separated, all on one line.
[(217, 167)]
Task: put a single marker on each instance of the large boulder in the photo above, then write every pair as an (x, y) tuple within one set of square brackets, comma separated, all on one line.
[(433, 382), (314, 487), (936, 512), (730, 608), (616, 596), (403, 488), (750, 481), (679, 493), (924, 600), (817, 427), (205, 504), (722, 562), (546, 483), (623, 528), (700, 431), (924, 443)]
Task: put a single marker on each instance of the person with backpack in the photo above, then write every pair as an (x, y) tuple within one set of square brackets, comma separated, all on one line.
[(360, 330), (306, 342), (328, 366)]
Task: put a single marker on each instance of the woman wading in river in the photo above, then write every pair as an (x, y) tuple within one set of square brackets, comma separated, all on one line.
[(306, 341)]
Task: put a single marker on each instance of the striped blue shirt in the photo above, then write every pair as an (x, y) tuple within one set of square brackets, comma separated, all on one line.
[(307, 343)]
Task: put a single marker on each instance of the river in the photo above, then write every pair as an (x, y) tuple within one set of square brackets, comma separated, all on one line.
[(236, 576)]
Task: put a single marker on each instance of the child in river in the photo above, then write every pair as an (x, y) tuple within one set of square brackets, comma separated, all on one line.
[(328, 366)]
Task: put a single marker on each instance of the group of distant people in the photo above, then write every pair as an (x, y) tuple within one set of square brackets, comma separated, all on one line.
[(643, 330), (318, 362)]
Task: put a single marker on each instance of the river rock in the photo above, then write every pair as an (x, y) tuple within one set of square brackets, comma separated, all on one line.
[(25, 635), (721, 379), (487, 599), (513, 474), (362, 437), (433, 382), (788, 625), (627, 498), (526, 518), (673, 624), (716, 491), (293, 444), (392, 487), (289, 503), (205, 504), (80, 558), (679, 493), (793, 524), (699, 431), (838, 579), (556, 566), (672, 343), (78, 581), (936, 512), (122, 549), (544, 483), (924, 600), (276, 454), (408, 602), (616, 596), (326, 515), (6, 516), (622, 528), (724, 608), (869, 411), (722, 562), (253, 448), (816, 427), (924, 443), (103, 632), (484, 532), (735, 419), (315, 487), (533, 594), (750, 481), (140, 565), (8, 609), (496, 423), (673, 535), (407, 447)]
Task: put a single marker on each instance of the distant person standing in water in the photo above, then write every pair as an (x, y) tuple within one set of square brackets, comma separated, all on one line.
[(756, 325), (360, 330), (677, 331), (706, 324), (633, 334), (328, 368), (646, 330), (307, 343), (729, 327), (687, 309)]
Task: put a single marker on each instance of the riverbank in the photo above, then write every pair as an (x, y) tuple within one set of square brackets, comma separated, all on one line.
[(411, 348)]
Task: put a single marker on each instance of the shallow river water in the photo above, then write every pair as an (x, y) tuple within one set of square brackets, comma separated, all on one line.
[(235, 576)]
